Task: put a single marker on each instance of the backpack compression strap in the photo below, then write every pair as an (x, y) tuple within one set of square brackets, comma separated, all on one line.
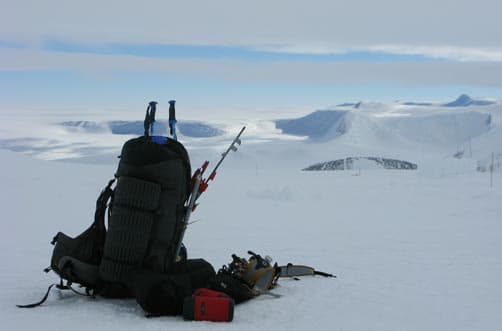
[(135, 207)]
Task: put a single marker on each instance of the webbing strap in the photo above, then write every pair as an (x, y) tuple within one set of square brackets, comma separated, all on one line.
[(325, 274), (101, 205), (36, 304)]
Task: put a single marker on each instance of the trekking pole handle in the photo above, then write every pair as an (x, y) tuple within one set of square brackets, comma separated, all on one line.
[(172, 119), (150, 117), (172, 110)]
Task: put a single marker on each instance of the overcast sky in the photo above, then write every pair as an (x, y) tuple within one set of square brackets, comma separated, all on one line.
[(124, 52)]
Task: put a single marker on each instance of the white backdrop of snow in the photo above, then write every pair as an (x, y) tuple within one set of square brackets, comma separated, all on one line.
[(412, 250)]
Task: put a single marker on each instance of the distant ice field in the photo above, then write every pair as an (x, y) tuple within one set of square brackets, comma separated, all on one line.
[(469, 128)]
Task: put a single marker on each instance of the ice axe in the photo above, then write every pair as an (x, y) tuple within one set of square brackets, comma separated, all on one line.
[(199, 185)]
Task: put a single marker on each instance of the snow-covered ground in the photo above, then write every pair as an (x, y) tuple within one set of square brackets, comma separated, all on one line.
[(413, 250)]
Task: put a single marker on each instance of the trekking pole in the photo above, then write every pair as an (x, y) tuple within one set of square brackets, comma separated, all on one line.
[(172, 119)]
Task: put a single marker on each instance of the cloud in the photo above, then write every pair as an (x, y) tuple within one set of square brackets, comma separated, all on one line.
[(483, 74), (444, 52), (356, 24)]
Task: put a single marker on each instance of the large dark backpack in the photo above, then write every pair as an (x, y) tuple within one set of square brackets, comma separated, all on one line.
[(140, 250), (147, 207)]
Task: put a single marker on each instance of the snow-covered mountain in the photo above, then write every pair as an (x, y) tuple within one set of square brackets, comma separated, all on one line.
[(398, 130), (464, 100), (441, 127), (315, 125), (403, 131)]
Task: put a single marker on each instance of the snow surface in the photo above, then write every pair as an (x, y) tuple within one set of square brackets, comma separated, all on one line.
[(413, 250)]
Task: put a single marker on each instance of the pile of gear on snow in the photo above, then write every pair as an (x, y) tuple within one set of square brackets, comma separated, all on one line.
[(140, 253)]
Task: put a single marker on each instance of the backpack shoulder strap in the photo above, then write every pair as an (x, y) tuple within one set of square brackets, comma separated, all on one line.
[(88, 246), (101, 204), (75, 259)]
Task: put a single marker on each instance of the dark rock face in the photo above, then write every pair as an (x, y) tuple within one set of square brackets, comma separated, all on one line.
[(348, 164)]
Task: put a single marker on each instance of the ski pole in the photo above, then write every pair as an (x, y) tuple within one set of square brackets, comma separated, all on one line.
[(172, 119), (150, 117)]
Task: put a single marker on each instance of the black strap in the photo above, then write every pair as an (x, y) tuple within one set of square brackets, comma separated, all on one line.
[(105, 194), (88, 293), (101, 205), (325, 274), (36, 304)]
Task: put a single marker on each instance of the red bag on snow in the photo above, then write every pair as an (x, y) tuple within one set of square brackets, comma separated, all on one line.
[(208, 305)]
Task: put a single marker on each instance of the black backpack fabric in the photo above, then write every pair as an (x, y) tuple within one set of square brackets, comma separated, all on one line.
[(147, 208), (77, 259), (163, 294), (233, 286)]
